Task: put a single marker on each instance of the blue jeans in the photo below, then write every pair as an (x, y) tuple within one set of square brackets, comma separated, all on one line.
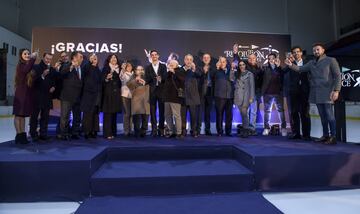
[(279, 102), (253, 109), (326, 112)]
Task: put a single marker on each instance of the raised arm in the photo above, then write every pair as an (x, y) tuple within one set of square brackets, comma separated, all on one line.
[(304, 68)]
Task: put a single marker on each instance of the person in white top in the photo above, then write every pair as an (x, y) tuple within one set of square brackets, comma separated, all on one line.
[(125, 75)]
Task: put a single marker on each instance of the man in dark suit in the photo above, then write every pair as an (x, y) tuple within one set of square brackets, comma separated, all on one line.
[(44, 87), (272, 90), (192, 97), (206, 92), (70, 97), (224, 96), (325, 85), (299, 98), (59, 65), (155, 75)]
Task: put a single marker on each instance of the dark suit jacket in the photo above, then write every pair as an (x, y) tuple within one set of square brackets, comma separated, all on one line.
[(267, 78), (150, 78), (172, 83), (204, 88), (111, 92), (192, 96), (91, 93), (224, 84), (258, 76), (42, 96), (72, 84), (299, 81)]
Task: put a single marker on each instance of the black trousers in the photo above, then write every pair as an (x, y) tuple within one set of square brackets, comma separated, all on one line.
[(109, 124), (193, 109), (66, 108), (157, 103), (204, 113), (299, 111), (90, 122), (140, 123), (44, 121), (223, 105)]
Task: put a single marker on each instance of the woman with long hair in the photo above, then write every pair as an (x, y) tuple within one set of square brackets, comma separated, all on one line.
[(111, 99), (125, 75), (23, 99), (244, 95)]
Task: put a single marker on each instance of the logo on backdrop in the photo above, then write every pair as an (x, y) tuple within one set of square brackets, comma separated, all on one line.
[(260, 52), (350, 78), (86, 47)]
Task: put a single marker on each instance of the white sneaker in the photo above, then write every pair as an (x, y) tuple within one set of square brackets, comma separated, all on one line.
[(266, 132), (284, 132)]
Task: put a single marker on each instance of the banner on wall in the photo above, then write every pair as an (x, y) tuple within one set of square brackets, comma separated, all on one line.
[(134, 44), (350, 84)]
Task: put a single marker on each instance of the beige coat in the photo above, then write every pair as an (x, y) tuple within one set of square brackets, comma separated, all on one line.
[(140, 103)]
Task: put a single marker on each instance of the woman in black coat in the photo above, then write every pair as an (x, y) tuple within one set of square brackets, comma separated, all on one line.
[(111, 99), (91, 97)]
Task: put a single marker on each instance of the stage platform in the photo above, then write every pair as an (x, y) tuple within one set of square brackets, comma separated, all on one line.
[(153, 168), (230, 203)]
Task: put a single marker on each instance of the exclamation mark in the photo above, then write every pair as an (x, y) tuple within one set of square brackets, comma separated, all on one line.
[(52, 49)]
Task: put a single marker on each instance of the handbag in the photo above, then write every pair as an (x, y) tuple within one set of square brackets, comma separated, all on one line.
[(180, 91)]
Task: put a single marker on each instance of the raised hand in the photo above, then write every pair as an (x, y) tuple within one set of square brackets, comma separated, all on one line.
[(235, 48), (288, 62), (218, 65), (109, 76), (35, 54), (52, 89), (45, 73), (206, 68), (123, 66), (193, 67), (57, 65), (277, 62)]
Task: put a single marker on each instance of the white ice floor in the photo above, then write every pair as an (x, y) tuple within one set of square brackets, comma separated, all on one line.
[(329, 202)]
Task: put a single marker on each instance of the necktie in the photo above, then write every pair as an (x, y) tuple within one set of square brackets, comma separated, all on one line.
[(78, 72)]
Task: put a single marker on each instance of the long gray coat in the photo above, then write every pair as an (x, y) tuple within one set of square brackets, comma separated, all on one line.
[(324, 78), (244, 89)]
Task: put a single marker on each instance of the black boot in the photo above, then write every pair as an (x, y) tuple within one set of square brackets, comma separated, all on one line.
[(322, 139), (17, 139), (330, 141), (245, 133), (23, 138)]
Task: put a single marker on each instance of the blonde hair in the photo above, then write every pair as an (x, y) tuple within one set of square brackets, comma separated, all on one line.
[(92, 55)]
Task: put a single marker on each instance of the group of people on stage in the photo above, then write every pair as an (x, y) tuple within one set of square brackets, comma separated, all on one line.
[(168, 91)]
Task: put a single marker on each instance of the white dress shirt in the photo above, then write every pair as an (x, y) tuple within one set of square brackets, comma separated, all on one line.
[(156, 67)]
